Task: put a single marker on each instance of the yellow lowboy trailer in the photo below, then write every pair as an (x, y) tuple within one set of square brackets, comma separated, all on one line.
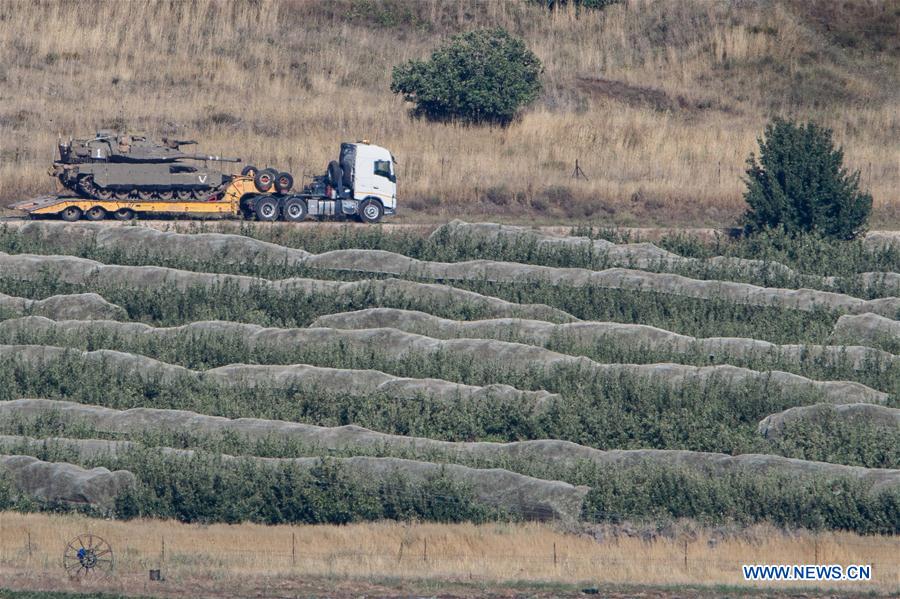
[(227, 202)]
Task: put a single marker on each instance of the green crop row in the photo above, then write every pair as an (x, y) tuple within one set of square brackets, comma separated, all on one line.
[(447, 248), (808, 254), (206, 488), (168, 305), (209, 349), (662, 493), (606, 412), (685, 315), (869, 444)]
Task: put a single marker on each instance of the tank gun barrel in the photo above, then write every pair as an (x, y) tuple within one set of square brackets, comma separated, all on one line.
[(208, 157)]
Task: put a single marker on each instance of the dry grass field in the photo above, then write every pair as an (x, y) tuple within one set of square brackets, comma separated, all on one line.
[(661, 102), (491, 554)]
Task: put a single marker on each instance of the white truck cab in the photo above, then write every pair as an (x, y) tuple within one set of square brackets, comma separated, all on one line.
[(372, 179), (360, 184)]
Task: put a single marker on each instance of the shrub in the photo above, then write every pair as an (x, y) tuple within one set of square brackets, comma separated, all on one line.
[(594, 4), (482, 76), (799, 184)]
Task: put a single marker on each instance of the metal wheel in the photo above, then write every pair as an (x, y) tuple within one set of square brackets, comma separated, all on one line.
[(266, 209), (103, 193), (95, 213), (71, 214), (145, 195), (121, 195), (183, 194), (283, 182), (88, 557), (295, 210), (371, 211), (264, 180)]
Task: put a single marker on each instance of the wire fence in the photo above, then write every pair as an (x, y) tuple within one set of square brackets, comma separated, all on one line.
[(684, 558)]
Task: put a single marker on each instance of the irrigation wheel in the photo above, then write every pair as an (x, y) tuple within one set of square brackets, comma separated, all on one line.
[(88, 557)]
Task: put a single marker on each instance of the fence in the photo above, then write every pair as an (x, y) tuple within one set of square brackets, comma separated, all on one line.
[(486, 553)]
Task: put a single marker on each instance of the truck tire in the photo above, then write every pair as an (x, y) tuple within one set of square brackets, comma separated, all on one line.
[(123, 214), (347, 175), (249, 171), (95, 213), (335, 175), (370, 211), (264, 180), (71, 214), (283, 182), (295, 210), (266, 209)]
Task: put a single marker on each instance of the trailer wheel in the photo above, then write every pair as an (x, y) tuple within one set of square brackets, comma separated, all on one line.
[(295, 210), (266, 209), (123, 214), (95, 213), (371, 211), (264, 180), (283, 182), (70, 214), (248, 171)]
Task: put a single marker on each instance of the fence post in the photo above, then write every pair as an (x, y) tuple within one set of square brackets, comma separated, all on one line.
[(293, 549), (816, 545), (162, 558), (554, 553), (685, 555), (400, 553), (425, 552), (29, 544)]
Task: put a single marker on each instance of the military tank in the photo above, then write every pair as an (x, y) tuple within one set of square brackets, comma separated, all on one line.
[(114, 166)]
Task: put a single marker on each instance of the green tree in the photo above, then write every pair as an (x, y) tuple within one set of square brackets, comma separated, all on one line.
[(482, 76), (799, 184)]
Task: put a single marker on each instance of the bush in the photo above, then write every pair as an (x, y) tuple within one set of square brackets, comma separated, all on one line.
[(482, 76), (799, 184), (594, 4)]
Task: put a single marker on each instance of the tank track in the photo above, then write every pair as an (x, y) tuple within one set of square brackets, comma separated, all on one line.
[(86, 188)]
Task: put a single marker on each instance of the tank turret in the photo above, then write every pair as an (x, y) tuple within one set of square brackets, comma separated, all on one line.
[(114, 165)]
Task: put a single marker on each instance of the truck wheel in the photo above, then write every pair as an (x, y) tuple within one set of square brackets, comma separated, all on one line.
[(70, 214), (248, 171), (123, 214), (266, 209), (371, 211), (283, 182), (264, 180), (295, 210), (95, 213)]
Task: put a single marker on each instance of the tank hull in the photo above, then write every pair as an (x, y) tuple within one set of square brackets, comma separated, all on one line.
[(100, 180)]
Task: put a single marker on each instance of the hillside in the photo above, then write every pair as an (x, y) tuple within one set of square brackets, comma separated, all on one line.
[(660, 102)]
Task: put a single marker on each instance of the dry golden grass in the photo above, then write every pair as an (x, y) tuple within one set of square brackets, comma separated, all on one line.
[(490, 553), (281, 83)]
